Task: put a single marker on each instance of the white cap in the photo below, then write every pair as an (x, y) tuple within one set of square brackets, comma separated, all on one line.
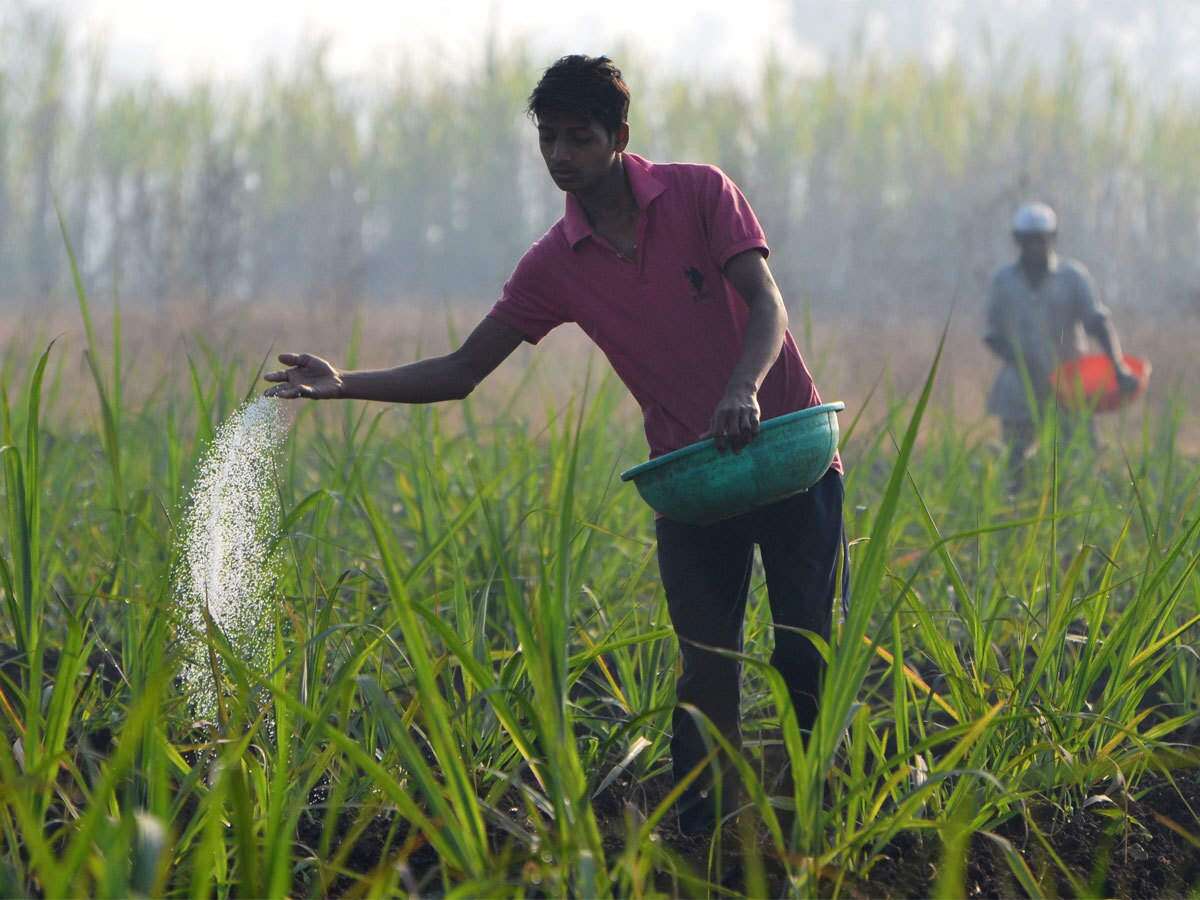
[(1035, 218)]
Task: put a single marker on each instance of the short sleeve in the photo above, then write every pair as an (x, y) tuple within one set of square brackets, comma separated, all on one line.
[(1088, 308), (528, 301), (731, 224)]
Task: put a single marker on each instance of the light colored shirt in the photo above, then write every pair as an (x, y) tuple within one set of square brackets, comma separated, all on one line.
[(1038, 328), (669, 321)]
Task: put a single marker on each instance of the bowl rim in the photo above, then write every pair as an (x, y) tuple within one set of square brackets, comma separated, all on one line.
[(690, 449)]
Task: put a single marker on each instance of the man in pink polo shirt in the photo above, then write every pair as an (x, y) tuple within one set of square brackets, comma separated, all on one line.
[(665, 268)]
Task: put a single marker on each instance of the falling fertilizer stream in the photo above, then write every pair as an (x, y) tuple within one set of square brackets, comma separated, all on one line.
[(229, 556)]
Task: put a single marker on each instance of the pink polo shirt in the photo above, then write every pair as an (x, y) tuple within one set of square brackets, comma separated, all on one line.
[(669, 321)]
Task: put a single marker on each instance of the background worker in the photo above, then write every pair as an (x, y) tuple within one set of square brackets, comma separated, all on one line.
[(1041, 310)]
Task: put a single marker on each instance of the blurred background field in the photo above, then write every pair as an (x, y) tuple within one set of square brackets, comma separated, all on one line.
[(849, 355), (885, 183), (268, 208)]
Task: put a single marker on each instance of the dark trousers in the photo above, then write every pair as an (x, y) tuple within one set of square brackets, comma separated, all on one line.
[(1021, 439), (706, 573)]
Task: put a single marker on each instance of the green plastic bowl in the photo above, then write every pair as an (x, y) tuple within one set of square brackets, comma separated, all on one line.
[(697, 485)]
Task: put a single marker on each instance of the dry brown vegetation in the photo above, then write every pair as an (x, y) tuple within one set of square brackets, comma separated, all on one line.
[(848, 356)]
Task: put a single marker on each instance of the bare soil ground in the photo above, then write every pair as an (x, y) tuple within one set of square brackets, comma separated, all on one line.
[(1150, 849)]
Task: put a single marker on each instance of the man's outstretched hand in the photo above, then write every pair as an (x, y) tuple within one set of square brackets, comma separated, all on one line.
[(309, 376)]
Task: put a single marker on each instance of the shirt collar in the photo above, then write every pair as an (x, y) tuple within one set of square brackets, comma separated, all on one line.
[(642, 182), (1052, 267)]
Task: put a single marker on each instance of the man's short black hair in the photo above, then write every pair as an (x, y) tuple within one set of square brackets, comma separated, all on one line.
[(583, 85)]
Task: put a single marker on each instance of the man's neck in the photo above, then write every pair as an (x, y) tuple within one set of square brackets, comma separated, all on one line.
[(1036, 270), (609, 197)]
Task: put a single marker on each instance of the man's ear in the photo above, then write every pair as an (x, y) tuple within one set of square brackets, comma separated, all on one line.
[(621, 137)]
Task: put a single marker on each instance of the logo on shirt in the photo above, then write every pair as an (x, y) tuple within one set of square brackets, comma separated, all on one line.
[(696, 279)]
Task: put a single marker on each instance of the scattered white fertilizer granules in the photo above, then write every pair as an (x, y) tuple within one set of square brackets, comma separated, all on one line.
[(230, 557)]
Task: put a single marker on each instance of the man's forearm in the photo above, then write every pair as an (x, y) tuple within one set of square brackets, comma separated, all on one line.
[(1106, 337), (763, 340), (428, 381)]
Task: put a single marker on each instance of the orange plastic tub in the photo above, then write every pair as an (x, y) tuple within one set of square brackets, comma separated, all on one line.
[(1090, 382)]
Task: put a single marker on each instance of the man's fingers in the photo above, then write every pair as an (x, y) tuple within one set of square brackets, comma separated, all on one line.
[(727, 428), (745, 430), (739, 434), (720, 431), (283, 392), (275, 376), (734, 440), (752, 424), (290, 359), (733, 426), (733, 429)]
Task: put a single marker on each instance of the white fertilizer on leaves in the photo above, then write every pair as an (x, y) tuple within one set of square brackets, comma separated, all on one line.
[(230, 559)]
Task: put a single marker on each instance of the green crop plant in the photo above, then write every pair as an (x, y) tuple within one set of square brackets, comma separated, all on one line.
[(470, 686)]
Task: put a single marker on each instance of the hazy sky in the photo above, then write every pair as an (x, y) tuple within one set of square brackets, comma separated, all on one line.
[(231, 37), (723, 38)]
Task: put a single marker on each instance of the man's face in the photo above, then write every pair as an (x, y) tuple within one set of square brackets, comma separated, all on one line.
[(578, 150), (1035, 249)]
